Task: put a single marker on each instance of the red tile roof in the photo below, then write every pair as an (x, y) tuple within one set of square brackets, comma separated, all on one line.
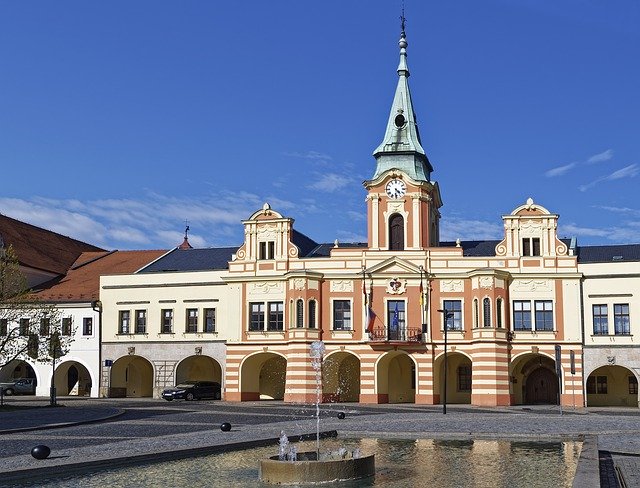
[(40, 248), (82, 282)]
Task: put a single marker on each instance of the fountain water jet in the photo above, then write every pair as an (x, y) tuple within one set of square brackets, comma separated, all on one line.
[(289, 466)]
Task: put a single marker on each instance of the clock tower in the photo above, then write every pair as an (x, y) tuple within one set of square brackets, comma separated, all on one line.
[(402, 201)]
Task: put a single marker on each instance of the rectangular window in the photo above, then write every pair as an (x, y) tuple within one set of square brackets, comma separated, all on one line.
[(633, 385), (544, 314), (621, 322), (299, 313), (464, 378), (521, 315), (124, 322), (24, 327), (87, 326), (341, 315), (531, 246), (266, 250), (256, 321), (141, 321), (192, 320), (453, 316), (167, 321), (45, 326), (66, 326), (499, 312), (600, 320), (4, 327), (276, 316), (396, 320), (601, 385), (209, 319)]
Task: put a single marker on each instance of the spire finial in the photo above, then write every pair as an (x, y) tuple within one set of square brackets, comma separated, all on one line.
[(185, 244), (186, 229), (403, 21)]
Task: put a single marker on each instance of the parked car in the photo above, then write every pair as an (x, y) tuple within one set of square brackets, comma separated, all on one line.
[(193, 390), (21, 386)]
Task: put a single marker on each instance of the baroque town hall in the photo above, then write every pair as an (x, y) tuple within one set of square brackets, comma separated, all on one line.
[(530, 318)]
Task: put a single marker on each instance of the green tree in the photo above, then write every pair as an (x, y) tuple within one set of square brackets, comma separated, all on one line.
[(28, 326)]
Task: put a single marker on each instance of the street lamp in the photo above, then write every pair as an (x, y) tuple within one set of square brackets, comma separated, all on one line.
[(446, 314)]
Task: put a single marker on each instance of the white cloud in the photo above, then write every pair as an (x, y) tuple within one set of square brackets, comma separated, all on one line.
[(560, 170), (330, 182), (601, 157), (626, 172), (618, 234), (622, 210), (311, 155), (357, 216)]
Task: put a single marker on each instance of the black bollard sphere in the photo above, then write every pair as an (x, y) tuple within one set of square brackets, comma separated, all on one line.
[(341, 415), (225, 427), (40, 452)]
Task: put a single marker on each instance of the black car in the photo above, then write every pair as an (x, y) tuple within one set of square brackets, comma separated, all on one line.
[(193, 390)]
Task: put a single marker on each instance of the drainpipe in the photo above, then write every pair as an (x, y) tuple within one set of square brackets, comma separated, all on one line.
[(96, 305)]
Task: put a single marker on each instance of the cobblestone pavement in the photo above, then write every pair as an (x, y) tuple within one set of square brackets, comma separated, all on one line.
[(136, 430)]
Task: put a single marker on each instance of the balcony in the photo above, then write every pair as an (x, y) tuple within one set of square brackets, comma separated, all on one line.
[(396, 334)]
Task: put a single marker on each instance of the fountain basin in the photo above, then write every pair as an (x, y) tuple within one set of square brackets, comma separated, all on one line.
[(307, 469)]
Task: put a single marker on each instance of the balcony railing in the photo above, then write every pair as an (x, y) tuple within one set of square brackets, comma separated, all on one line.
[(396, 334)]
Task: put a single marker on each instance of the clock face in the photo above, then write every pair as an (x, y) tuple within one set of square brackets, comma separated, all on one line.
[(396, 188)]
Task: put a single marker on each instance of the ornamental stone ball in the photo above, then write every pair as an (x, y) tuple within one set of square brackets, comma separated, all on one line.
[(225, 427), (40, 452), (341, 415)]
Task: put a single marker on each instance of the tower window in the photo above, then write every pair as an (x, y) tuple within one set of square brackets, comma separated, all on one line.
[(267, 250), (486, 312), (396, 232), (531, 246)]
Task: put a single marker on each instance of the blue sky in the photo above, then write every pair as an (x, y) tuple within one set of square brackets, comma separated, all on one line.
[(121, 119)]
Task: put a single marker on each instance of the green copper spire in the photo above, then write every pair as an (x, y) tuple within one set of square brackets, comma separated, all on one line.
[(401, 147)]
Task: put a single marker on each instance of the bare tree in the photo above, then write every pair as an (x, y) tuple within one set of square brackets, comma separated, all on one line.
[(29, 327)]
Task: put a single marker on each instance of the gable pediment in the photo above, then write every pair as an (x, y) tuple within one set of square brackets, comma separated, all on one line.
[(393, 266)]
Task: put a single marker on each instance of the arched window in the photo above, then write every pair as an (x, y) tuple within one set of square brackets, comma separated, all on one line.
[(299, 314), (311, 316), (486, 312), (499, 312), (396, 232), (476, 316)]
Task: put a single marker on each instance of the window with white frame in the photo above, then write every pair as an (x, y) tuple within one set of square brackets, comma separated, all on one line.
[(141, 321), (124, 318), (66, 326), (396, 320), (266, 250), (521, 315), (257, 316), (209, 319), (600, 319), (544, 315), (276, 316), (621, 321), (24, 327), (191, 325), (87, 326), (45, 326), (341, 315), (166, 327), (453, 315), (531, 246)]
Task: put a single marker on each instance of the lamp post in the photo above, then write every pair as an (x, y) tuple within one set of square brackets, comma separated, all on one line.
[(446, 315)]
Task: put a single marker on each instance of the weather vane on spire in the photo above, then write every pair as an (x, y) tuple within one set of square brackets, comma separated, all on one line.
[(403, 19), (186, 230)]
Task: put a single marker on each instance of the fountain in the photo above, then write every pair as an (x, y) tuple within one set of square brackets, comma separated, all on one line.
[(290, 466)]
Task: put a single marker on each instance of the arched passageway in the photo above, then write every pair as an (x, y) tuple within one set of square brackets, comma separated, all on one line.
[(396, 378), (131, 376), (17, 369), (341, 378), (534, 380), (458, 378), (613, 386), (263, 377), (198, 367), (72, 378)]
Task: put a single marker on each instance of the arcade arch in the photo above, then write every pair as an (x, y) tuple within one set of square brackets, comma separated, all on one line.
[(132, 376), (341, 377)]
